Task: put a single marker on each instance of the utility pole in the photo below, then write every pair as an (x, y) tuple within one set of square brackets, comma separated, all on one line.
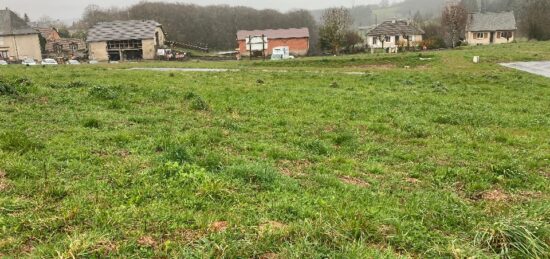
[(250, 46)]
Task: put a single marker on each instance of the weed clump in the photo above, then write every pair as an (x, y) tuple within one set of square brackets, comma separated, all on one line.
[(262, 177), (316, 147), (76, 84), (190, 96), (513, 239), (18, 142), (179, 154), (7, 89), (92, 124), (196, 102), (103, 92), (408, 82), (345, 138), (439, 87)]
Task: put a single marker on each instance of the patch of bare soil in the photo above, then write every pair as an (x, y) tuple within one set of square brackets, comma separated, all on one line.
[(354, 181), (495, 195), (218, 226), (123, 153), (106, 247), (269, 256), (189, 236), (293, 168), (3, 181), (147, 241), (413, 180)]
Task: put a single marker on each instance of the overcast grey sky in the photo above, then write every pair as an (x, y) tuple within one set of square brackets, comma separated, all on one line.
[(71, 9)]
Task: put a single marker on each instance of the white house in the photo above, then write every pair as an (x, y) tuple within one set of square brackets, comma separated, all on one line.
[(394, 33), (491, 28)]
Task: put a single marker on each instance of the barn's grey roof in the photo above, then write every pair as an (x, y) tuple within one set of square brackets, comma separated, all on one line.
[(395, 27), (291, 33), (491, 22), (11, 24), (123, 30)]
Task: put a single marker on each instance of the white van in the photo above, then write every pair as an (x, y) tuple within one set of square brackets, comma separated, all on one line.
[(281, 53)]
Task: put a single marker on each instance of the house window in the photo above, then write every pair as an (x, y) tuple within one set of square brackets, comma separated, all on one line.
[(387, 39), (57, 48), (4, 54), (73, 46), (396, 38), (480, 35), (374, 41), (504, 34)]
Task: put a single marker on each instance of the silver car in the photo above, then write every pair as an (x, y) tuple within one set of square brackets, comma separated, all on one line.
[(49, 62), (73, 62), (29, 62)]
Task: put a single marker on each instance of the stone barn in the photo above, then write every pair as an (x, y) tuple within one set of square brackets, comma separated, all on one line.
[(125, 40), (296, 39), (18, 40)]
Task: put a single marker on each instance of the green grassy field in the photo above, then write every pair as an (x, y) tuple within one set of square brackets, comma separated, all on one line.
[(292, 159)]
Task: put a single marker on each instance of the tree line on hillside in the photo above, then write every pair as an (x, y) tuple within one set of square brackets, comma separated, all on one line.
[(331, 30), (215, 26)]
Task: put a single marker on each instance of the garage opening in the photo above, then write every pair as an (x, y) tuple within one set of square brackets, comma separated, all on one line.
[(121, 50)]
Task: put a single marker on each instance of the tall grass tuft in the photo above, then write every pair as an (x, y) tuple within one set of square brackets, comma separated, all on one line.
[(513, 239)]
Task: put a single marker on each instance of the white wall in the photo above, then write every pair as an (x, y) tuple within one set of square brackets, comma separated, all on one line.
[(415, 41)]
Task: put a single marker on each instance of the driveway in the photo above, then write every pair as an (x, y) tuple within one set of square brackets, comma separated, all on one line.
[(536, 67)]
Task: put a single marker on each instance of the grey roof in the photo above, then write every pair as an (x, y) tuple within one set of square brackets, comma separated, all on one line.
[(11, 24), (123, 30), (491, 22), (292, 33), (395, 27)]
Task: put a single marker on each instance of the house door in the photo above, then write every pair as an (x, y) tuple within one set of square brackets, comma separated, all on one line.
[(492, 37)]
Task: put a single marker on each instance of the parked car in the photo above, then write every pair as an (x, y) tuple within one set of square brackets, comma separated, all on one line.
[(73, 62), (49, 62), (3, 63), (29, 62), (93, 62)]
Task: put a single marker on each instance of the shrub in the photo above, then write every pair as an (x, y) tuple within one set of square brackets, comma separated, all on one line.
[(18, 142)]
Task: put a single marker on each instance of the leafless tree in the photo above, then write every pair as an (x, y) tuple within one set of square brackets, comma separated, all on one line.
[(535, 19), (352, 39), (453, 19), (336, 23)]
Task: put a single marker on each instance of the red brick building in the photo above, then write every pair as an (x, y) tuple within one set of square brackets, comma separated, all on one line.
[(296, 39)]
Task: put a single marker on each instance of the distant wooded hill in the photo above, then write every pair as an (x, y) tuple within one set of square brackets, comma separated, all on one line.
[(370, 14)]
